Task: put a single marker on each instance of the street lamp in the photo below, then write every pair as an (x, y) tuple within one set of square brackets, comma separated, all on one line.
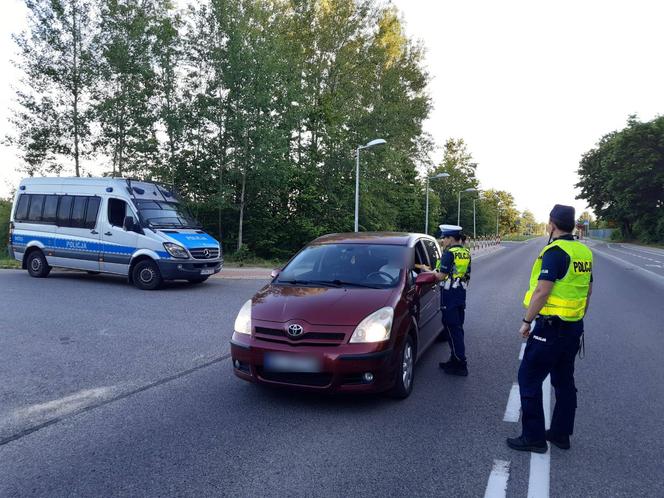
[(459, 206), (474, 218), (426, 214), (497, 218), (377, 141)]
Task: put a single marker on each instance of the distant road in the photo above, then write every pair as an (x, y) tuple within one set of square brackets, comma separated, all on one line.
[(649, 259)]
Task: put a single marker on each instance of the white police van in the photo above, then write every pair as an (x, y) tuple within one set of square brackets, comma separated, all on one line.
[(111, 225)]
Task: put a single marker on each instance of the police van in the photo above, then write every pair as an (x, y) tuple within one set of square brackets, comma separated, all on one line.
[(111, 225)]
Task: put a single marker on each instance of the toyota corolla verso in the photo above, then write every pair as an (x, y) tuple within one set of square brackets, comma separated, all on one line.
[(349, 312)]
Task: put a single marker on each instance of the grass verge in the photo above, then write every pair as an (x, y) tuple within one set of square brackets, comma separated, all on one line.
[(519, 238), (9, 264)]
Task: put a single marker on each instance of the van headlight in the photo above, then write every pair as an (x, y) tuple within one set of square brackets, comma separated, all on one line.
[(175, 250), (374, 328), (243, 320)]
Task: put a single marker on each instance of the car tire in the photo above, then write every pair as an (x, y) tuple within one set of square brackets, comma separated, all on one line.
[(403, 384), (37, 265), (146, 275), (197, 280)]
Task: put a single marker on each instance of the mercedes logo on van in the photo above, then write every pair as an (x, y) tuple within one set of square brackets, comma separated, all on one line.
[(295, 330), (206, 253)]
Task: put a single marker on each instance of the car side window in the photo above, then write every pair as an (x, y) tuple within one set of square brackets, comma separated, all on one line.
[(117, 209), (432, 252), (420, 256)]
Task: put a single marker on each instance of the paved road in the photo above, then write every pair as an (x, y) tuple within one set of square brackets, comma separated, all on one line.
[(648, 259), (131, 394)]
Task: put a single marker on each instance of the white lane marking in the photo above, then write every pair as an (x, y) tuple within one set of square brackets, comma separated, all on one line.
[(523, 350), (655, 266), (513, 409), (496, 487), (540, 463), (623, 262)]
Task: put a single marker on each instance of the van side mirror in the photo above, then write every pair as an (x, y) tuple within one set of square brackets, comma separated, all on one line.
[(275, 273), (426, 278), (129, 224)]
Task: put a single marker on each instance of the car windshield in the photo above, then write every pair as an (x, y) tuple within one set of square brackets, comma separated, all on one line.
[(346, 265), (157, 214)]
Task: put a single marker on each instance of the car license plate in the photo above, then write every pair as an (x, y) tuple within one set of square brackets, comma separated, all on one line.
[(207, 271), (276, 362)]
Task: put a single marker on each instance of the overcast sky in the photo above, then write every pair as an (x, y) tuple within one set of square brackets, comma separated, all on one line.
[(529, 85)]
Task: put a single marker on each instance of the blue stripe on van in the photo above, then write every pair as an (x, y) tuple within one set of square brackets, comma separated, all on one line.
[(56, 243)]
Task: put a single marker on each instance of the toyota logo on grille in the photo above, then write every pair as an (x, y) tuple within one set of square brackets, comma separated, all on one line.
[(295, 330), (206, 253)]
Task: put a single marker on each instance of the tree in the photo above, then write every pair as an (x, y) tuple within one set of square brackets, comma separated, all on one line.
[(53, 119), (622, 178)]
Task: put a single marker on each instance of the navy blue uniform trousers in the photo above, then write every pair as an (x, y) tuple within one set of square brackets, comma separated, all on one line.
[(454, 314), (551, 349)]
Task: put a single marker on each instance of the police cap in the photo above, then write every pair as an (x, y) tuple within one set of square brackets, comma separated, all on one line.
[(450, 231), (563, 217)]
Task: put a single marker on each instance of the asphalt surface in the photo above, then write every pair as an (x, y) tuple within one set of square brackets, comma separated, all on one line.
[(110, 391)]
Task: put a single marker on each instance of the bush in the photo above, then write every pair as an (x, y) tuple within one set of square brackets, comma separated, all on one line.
[(5, 210)]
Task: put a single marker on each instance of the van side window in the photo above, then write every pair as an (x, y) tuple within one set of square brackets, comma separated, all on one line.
[(91, 213), (36, 205), (22, 207), (50, 209), (116, 212), (64, 210), (78, 211)]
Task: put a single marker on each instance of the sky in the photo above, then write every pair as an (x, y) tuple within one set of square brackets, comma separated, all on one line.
[(530, 86)]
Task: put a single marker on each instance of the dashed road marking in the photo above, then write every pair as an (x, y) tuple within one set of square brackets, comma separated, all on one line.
[(540, 463), (513, 409), (497, 485)]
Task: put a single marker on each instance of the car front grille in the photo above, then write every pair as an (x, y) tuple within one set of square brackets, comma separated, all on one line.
[(300, 379), (306, 339), (200, 252)]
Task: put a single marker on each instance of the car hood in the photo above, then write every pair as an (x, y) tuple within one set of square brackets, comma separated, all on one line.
[(317, 305)]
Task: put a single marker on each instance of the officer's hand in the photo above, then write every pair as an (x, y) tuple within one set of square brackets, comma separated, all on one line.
[(524, 330)]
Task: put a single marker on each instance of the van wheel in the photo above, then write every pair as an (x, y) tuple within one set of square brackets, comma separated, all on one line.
[(37, 265), (146, 275), (197, 280), (405, 373)]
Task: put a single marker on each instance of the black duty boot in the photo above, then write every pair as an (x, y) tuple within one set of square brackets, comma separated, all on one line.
[(560, 440), (522, 444), (449, 363), (457, 368)]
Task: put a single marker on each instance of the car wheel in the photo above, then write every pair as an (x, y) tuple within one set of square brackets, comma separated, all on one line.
[(405, 373), (146, 275), (37, 265), (197, 280)]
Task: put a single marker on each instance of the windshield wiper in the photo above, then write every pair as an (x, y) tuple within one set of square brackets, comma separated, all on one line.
[(309, 282), (354, 284)]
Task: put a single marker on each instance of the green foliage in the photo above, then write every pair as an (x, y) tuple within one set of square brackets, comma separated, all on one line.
[(52, 116), (5, 212), (253, 110), (622, 179)]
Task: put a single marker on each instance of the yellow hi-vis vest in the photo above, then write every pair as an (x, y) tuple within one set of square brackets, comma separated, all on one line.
[(461, 261), (569, 295)]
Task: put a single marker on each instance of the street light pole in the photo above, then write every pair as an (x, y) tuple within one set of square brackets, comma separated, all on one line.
[(474, 221), (426, 213), (377, 141), (459, 204), (497, 219)]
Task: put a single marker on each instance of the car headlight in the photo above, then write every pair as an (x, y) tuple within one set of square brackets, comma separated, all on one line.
[(175, 250), (243, 320), (374, 328)]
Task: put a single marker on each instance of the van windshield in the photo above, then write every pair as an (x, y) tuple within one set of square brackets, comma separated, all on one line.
[(346, 265), (158, 214)]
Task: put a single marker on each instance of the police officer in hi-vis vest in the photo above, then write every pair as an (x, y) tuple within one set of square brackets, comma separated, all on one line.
[(454, 274), (557, 300)]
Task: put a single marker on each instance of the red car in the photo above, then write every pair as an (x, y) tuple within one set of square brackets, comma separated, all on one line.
[(349, 312)]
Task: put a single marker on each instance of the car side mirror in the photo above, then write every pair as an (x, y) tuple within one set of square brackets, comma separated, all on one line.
[(426, 278), (129, 224), (275, 273)]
